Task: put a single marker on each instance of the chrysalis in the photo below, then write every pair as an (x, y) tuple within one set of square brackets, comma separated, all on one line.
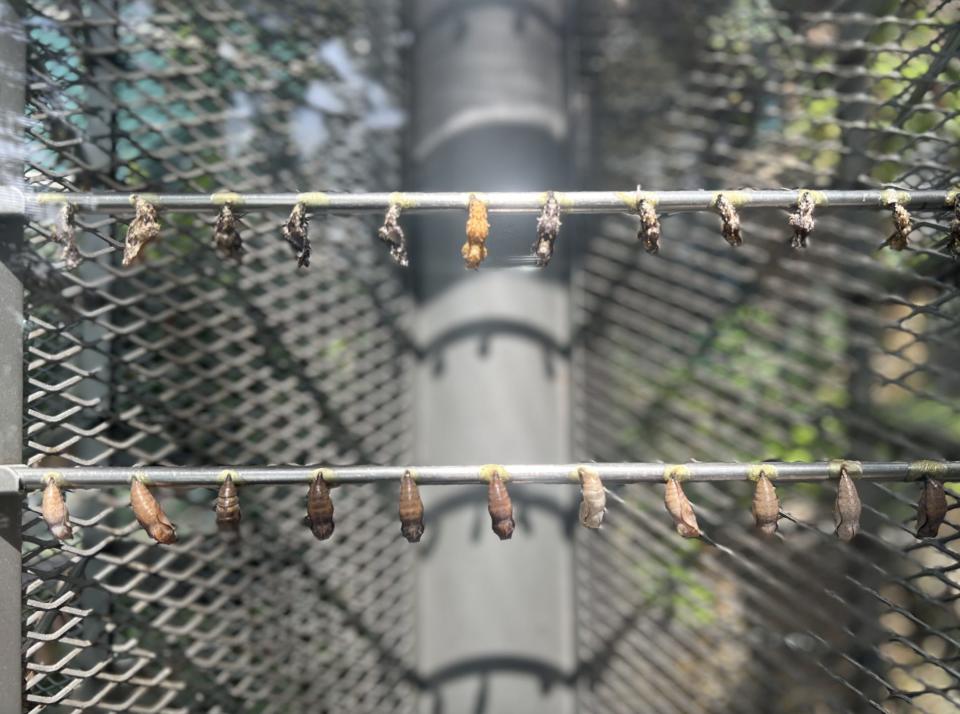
[(228, 507), (392, 234), (149, 513), (931, 509), (66, 235), (593, 499), (730, 221), (846, 511), (142, 231), (500, 507), (680, 508), (953, 238), (902, 227), (320, 509), (649, 231), (226, 236), (411, 509), (295, 233), (54, 511), (802, 221), (548, 228), (475, 250), (766, 505)]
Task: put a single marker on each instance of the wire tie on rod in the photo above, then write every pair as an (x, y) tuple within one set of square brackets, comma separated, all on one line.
[(548, 228), (226, 234), (802, 220), (729, 221), (649, 232), (143, 230), (392, 234), (295, 232)]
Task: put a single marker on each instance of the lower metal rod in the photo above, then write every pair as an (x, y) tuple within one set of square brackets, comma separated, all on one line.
[(95, 477), (15, 201)]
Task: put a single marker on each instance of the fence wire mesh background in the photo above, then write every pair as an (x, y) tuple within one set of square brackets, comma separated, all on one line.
[(708, 353), (701, 352), (191, 359)]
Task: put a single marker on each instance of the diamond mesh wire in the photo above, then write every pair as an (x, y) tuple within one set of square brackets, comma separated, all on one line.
[(192, 359), (710, 353)]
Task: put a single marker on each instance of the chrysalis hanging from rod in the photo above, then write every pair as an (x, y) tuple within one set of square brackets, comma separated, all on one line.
[(320, 508), (593, 499), (548, 228), (766, 505), (143, 230), (846, 511), (953, 239), (295, 232), (931, 508), (226, 234), (150, 514), (902, 227), (54, 509), (500, 507), (411, 509), (474, 251), (228, 506), (392, 234), (66, 235), (680, 508), (802, 221), (729, 221), (649, 232)]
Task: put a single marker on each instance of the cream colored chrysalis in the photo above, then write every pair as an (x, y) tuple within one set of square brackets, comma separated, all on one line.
[(54, 509), (593, 503)]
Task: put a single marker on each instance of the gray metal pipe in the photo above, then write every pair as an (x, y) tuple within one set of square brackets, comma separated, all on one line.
[(612, 473), (17, 202)]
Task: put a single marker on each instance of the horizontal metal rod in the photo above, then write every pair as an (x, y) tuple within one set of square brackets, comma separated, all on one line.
[(612, 473), (15, 201)]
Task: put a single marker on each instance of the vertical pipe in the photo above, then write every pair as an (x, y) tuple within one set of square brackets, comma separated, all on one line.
[(12, 83), (495, 620)]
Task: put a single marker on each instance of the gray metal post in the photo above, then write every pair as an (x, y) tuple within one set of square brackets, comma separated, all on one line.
[(12, 82), (496, 629)]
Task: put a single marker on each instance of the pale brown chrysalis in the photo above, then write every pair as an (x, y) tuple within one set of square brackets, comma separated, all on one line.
[(680, 508), (931, 508), (142, 231), (66, 235), (500, 507), (902, 227), (228, 507), (802, 221), (548, 228), (593, 499), (411, 509), (149, 513), (474, 251), (766, 505), (846, 511), (320, 509), (54, 511), (729, 221)]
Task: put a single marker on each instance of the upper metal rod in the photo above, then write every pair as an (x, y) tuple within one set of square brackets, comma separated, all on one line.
[(99, 477), (16, 201)]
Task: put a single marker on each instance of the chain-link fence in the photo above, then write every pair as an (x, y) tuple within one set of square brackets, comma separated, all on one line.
[(708, 353), (195, 359)]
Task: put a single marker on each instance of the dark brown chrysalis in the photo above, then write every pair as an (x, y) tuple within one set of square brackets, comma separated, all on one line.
[(411, 509), (226, 235), (54, 511), (142, 231), (680, 508), (729, 221), (500, 507), (931, 509), (295, 233), (846, 511), (802, 221), (953, 239), (228, 507), (66, 235), (392, 234), (649, 232), (548, 228), (320, 509), (766, 505), (149, 513)]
